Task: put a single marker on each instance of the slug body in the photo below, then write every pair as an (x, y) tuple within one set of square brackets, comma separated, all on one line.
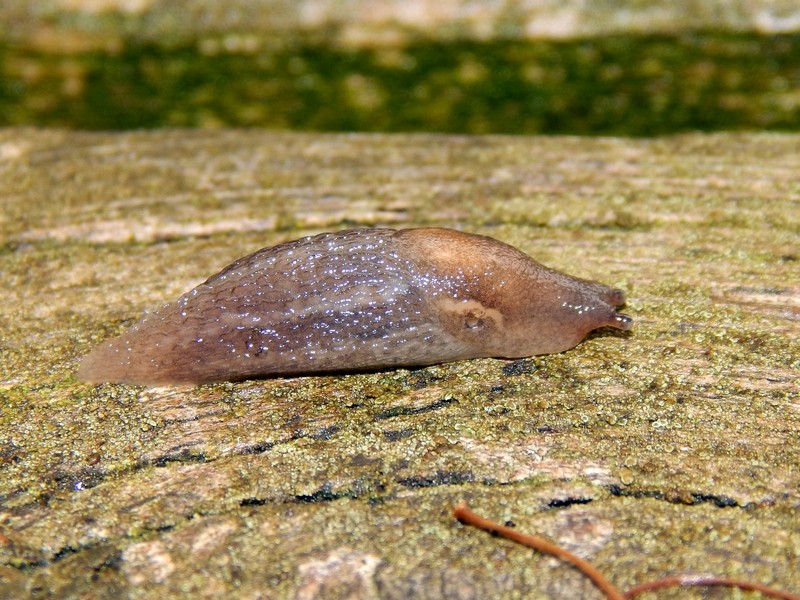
[(359, 300)]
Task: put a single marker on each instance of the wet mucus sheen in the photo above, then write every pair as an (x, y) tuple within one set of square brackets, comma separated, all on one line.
[(359, 300)]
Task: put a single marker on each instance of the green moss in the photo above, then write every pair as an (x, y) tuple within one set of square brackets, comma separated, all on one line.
[(619, 85)]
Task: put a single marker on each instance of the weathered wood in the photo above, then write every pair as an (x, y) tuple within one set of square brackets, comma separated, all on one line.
[(671, 449)]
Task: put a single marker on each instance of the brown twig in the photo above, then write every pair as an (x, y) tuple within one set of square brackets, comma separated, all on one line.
[(466, 516), (708, 580)]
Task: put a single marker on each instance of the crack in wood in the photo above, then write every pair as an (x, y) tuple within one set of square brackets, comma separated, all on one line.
[(718, 500), (398, 411)]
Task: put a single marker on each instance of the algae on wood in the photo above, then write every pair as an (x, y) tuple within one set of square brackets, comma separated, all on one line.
[(672, 449)]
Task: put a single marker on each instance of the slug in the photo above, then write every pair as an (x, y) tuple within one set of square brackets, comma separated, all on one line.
[(362, 299)]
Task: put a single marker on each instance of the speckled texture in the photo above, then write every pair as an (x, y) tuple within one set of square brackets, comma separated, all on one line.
[(360, 299), (674, 449)]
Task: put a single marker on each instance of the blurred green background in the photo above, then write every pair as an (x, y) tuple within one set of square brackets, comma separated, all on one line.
[(111, 69)]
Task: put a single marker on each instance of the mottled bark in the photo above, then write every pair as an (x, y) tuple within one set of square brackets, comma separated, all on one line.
[(671, 449)]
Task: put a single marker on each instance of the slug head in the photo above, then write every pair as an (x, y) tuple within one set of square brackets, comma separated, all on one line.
[(500, 302)]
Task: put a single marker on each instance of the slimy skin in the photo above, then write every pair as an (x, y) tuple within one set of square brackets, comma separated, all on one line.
[(355, 300)]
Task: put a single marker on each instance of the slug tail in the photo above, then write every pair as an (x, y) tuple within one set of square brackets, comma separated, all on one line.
[(121, 361), (107, 363)]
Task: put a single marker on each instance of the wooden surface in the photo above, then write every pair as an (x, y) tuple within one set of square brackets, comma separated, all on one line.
[(672, 449), (244, 25)]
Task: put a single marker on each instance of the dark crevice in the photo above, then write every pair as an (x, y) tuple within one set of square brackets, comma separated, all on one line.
[(372, 490), (65, 551), (184, 456), (692, 498), (720, 501), (422, 378), (324, 494), (396, 435), (518, 367), (256, 448), (565, 502), (616, 490), (439, 478), (398, 411), (253, 501), (547, 429)]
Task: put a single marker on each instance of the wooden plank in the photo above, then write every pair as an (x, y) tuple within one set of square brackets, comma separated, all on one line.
[(671, 449)]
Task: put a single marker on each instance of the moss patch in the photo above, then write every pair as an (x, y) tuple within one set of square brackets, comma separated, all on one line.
[(610, 85)]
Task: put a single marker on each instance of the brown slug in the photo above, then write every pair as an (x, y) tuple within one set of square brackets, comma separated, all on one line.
[(361, 299)]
